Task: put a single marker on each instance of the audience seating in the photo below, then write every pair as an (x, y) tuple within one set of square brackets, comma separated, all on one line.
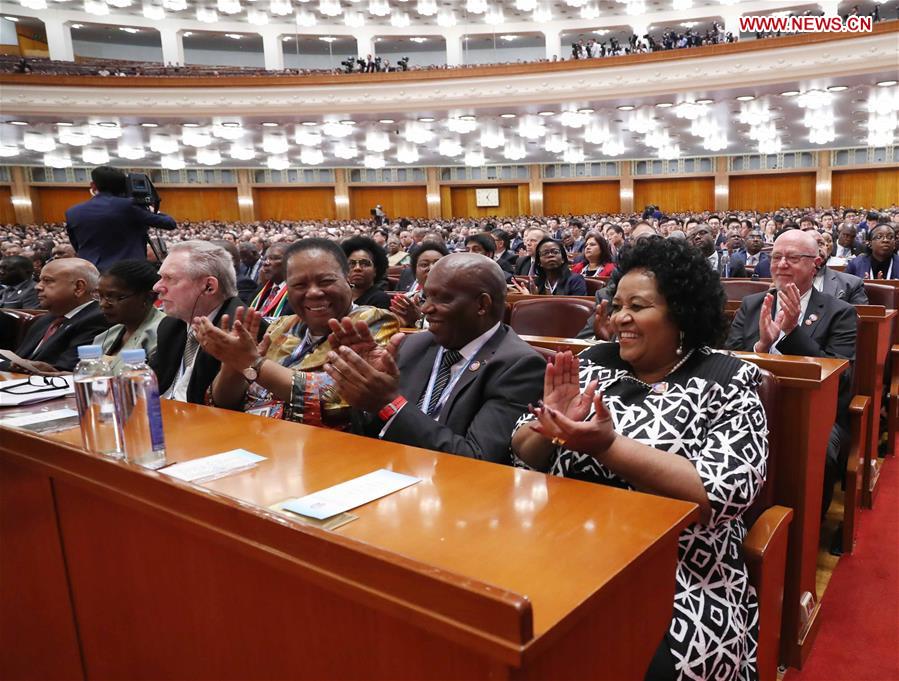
[(737, 289), (594, 284), (561, 316), (14, 324)]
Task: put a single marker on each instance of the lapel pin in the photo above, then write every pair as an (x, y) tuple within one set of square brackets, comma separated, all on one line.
[(474, 366)]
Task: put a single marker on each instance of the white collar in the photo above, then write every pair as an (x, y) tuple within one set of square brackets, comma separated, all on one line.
[(471, 348), (71, 313)]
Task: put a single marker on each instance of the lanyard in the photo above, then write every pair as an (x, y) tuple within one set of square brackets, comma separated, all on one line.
[(447, 391), (888, 274), (305, 347)]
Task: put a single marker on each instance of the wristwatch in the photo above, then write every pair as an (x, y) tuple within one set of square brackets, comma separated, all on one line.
[(251, 373)]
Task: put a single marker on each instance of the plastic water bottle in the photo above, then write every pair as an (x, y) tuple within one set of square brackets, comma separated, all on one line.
[(137, 397), (94, 393)]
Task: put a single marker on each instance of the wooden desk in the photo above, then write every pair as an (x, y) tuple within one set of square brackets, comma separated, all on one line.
[(477, 571)]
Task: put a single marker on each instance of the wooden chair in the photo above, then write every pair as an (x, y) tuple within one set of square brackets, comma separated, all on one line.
[(561, 316), (594, 285), (737, 289), (14, 324), (765, 544)]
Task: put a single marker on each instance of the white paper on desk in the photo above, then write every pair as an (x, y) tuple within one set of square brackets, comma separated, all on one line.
[(215, 466), (27, 365), (20, 392), (350, 494), (29, 421)]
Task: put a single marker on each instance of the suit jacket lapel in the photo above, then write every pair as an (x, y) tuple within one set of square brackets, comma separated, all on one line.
[(35, 333), (418, 373), (477, 364), (813, 312)]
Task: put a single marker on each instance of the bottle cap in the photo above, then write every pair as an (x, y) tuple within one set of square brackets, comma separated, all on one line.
[(89, 351), (133, 355)]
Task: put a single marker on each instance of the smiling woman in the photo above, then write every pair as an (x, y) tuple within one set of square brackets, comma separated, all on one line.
[(660, 412), (283, 376)]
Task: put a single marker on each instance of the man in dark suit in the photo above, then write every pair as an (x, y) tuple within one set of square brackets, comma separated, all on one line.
[(752, 256), (840, 285), (73, 317), (110, 227), (802, 321), (196, 279), (458, 387), (18, 290), (847, 247), (504, 257), (524, 267)]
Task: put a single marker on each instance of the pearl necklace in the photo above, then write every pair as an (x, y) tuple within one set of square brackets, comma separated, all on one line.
[(660, 387)]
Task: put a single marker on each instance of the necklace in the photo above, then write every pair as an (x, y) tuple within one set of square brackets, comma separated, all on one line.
[(660, 387)]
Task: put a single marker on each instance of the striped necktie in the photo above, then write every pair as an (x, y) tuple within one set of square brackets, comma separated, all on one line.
[(444, 372)]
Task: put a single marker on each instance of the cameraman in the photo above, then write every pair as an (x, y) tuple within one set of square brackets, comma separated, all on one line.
[(109, 226)]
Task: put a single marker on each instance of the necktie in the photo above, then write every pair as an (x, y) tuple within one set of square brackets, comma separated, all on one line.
[(191, 346), (444, 372), (54, 325)]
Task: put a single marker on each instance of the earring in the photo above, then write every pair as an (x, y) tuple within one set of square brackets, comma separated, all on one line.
[(680, 346)]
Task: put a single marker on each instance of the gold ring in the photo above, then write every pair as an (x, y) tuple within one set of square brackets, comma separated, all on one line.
[(558, 442)]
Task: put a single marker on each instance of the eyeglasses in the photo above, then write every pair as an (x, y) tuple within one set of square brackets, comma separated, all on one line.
[(551, 251), (883, 237), (112, 300), (361, 263), (791, 258), (34, 385)]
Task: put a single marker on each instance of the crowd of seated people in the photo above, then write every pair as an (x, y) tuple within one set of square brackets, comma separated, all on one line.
[(319, 342), (581, 48)]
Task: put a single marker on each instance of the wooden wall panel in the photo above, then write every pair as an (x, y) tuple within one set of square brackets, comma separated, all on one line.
[(397, 202), (289, 203), (675, 195), (461, 202), (218, 203), (771, 191), (53, 202), (866, 188), (7, 214), (581, 198)]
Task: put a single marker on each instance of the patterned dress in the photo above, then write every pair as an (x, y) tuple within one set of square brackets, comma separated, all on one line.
[(708, 411)]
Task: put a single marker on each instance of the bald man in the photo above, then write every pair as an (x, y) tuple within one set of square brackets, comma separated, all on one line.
[(73, 318), (458, 387), (801, 320)]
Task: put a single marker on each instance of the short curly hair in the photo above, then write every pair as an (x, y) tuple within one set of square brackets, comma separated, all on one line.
[(364, 243), (691, 288)]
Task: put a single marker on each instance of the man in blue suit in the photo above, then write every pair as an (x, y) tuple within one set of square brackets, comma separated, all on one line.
[(752, 256), (109, 227)]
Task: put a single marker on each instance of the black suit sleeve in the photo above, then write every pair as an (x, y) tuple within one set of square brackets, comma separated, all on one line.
[(736, 339), (490, 433), (840, 341)]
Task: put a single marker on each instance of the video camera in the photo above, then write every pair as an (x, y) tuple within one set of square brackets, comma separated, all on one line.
[(348, 65), (139, 188), (403, 63)]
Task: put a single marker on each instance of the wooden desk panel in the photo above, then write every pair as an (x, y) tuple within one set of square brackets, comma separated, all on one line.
[(479, 570)]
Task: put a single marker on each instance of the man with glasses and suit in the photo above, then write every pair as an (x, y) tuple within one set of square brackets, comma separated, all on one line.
[(800, 320), (458, 387)]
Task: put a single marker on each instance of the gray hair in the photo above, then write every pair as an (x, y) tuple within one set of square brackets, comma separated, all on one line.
[(83, 269), (208, 260)]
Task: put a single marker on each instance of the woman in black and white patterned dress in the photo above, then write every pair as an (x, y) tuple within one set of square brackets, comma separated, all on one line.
[(660, 412)]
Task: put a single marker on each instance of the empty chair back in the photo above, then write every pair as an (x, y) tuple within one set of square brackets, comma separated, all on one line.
[(594, 284), (737, 289), (557, 316), (882, 294)]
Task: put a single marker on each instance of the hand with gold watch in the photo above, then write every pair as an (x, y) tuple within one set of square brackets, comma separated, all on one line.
[(251, 373)]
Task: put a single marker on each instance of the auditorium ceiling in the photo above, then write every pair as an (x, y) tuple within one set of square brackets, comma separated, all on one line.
[(827, 113)]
